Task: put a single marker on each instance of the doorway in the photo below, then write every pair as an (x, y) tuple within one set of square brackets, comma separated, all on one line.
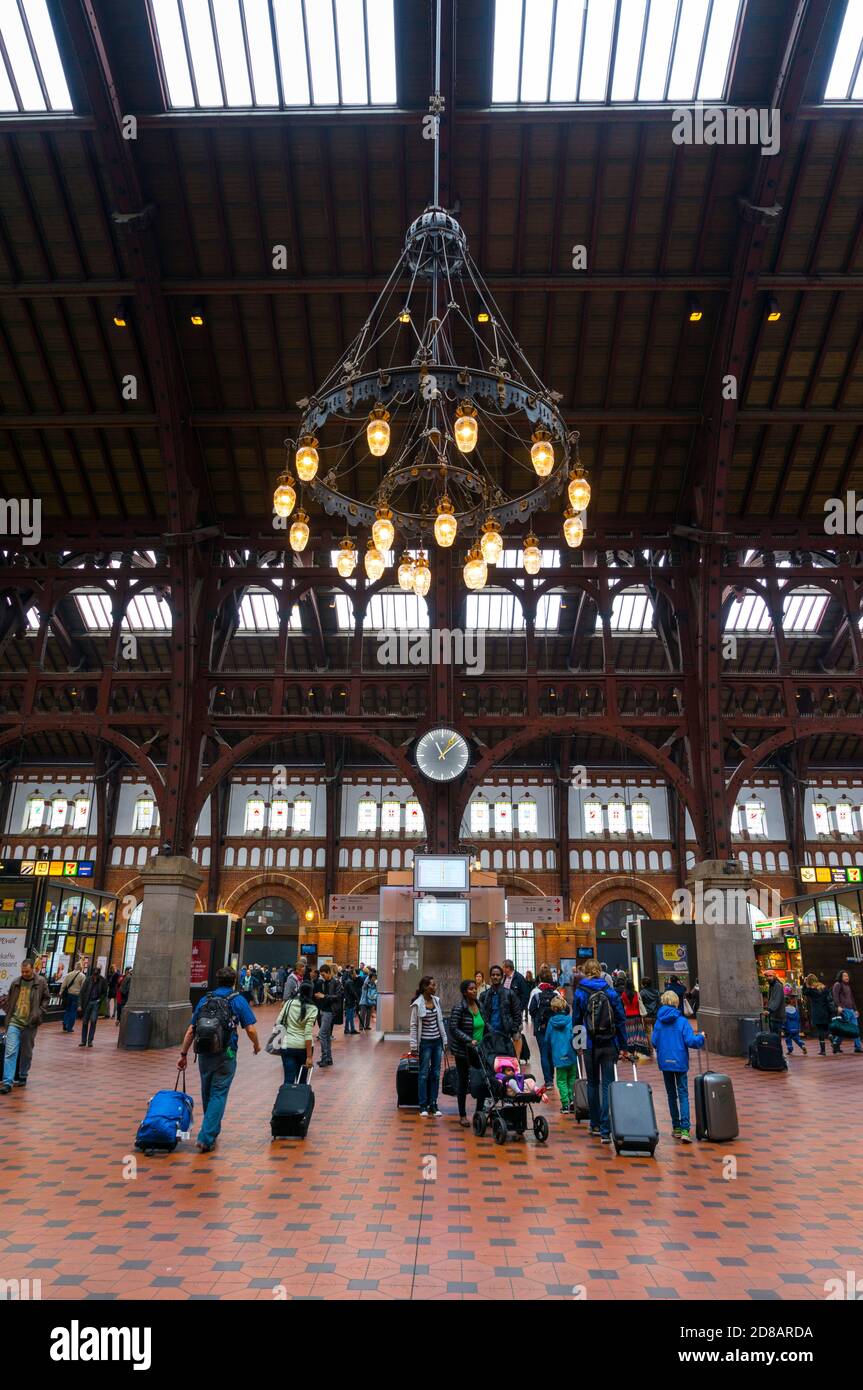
[(612, 944), (271, 933), (468, 960)]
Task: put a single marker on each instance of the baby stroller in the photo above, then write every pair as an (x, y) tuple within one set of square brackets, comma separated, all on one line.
[(507, 1113)]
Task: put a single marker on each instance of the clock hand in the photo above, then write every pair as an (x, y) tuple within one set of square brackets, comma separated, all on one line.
[(437, 746), (451, 744)]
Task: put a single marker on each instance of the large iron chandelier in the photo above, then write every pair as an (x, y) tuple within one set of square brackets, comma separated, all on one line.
[(433, 379)]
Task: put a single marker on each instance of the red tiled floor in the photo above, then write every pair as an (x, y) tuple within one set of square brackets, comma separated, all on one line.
[(348, 1215)]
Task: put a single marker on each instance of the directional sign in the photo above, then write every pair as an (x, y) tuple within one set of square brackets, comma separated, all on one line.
[(354, 907), (534, 909)]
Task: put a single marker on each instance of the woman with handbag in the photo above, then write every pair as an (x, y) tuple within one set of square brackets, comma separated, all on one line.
[(466, 1031), (636, 1033), (293, 1034), (846, 1012)]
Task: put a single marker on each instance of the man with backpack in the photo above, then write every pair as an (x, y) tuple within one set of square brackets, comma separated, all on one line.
[(539, 1009), (597, 1005), (329, 997), (213, 1029)]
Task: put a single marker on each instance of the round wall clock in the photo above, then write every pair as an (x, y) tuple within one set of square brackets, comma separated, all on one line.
[(442, 755)]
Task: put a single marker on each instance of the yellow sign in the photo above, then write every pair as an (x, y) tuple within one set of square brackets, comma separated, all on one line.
[(69, 947), (89, 945), (26, 867), (8, 904), (42, 867), (56, 868)]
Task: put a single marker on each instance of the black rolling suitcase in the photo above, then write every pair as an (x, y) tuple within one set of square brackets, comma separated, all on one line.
[(765, 1053), (715, 1108), (408, 1081), (580, 1107), (633, 1119), (292, 1112)]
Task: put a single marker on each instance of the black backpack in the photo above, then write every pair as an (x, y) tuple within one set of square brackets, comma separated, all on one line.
[(599, 1018), (215, 1024), (542, 1012)]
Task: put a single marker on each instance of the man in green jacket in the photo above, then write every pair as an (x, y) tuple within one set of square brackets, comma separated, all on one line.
[(25, 1010)]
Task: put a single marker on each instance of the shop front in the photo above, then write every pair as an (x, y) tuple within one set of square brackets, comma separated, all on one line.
[(48, 910), (827, 928)]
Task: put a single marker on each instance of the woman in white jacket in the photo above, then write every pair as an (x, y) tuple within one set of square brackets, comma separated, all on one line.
[(428, 1040)]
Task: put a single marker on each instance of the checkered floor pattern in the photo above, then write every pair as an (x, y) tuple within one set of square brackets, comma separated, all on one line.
[(379, 1204)]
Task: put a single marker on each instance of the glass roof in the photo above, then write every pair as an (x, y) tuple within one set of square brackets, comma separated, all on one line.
[(612, 50), (845, 82), (31, 73), (802, 612), (277, 53)]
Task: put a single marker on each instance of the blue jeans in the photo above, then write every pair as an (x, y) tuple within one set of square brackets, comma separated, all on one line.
[(545, 1058), (88, 1023), (350, 1018), (19, 1041), (217, 1073), (293, 1061), (70, 1013), (429, 1077), (677, 1088), (600, 1074)]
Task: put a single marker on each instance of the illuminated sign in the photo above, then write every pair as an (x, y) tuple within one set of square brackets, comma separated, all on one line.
[(833, 874), (47, 868)]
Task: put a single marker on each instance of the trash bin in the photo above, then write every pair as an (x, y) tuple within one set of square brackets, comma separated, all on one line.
[(138, 1026), (749, 1029)]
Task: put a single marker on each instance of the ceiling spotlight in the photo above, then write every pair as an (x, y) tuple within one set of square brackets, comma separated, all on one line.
[(696, 313), (196, 316), (120, 319), (774, 313)]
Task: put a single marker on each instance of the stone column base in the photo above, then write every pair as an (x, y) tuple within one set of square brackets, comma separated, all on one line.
[(727, 974), (169, 1023)]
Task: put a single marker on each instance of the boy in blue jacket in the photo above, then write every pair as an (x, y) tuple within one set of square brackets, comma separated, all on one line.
[(565, 1061), (672, 1037)]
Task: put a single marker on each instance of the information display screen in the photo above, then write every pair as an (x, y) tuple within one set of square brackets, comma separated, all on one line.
[(441, 916), (441, 873)]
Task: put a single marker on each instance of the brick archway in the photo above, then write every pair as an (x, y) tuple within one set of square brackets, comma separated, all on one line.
[(270, 884), (608, 890)]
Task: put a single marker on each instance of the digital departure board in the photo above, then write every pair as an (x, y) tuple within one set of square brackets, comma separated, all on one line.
[(441, 916), (441, 873)]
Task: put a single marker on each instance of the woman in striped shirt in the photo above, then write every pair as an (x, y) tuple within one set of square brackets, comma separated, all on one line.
[(428, 1040)]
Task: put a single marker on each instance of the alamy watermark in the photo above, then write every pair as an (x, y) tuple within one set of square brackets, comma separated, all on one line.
[(21, 516), (714, 906), (433, 646), (843, 516), (727, 125)]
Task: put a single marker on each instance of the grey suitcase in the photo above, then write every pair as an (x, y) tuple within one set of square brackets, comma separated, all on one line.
[(633, 1118), (580, 1107), (715, 1107)]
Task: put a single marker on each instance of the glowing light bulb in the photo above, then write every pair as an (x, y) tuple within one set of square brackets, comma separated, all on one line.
[(445, 526), (405, 573), (374, 562), (285, 495), (531, 555), (383, 530), (307, 459), (299, 533), (573, 528), (422, 575), (542, 453), (378, 431), (491, 543), (475, 569), (578, 490), (346, 560), (466, 428)]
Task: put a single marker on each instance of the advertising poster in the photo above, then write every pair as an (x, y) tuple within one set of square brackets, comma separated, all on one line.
[(200, 971), (11, 955)]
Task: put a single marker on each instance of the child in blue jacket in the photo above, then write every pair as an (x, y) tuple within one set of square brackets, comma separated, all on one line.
[(565, 1061), (672, 1037)]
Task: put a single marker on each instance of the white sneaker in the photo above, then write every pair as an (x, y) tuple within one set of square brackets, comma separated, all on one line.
[(424, 1114)]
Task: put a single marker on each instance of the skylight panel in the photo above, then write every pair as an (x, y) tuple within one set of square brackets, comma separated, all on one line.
[(612, 50), (845, 82), (802, 612), (631, 612), (31, 72), (283, 53), (259, 615)]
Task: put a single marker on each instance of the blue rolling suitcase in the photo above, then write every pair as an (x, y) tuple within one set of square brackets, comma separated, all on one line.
[(633, 1119), (167, 1121)]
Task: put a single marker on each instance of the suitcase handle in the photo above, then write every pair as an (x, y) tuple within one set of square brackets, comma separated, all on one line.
[(305, 1076), (634, 1072)]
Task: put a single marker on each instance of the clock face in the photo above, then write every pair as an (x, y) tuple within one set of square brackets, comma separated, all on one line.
[(442, 755)]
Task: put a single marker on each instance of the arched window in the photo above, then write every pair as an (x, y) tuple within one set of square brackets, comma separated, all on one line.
[(132, 929), (756, 816), (821, 818), (503, 815), (528, 816), (391, 815), (617, 815), (414, 819), (641, 819), (255, 813), (367, 815), (520, 940), (593, 816), (844, 816), (302, 814), (735, 819), (279, 816), (81, 812), (34, 811), (369, 944), (479, 815), (143, 818), (59, 809)]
